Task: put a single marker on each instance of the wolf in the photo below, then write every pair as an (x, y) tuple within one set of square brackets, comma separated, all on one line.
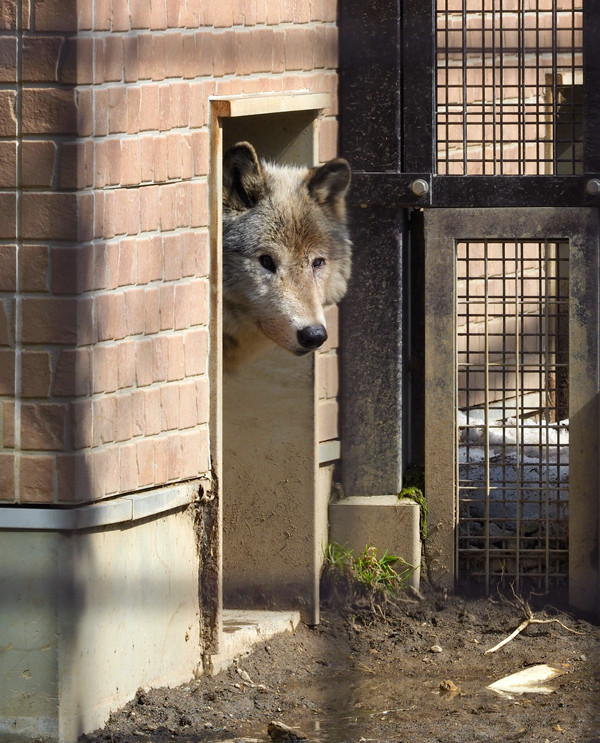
[(286, 253)]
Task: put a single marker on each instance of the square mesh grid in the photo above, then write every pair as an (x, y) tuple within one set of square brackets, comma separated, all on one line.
[(509, 87), (512, 440)]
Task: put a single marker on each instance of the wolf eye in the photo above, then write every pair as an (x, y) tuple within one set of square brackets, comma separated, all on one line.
[(318, 262), (267, 262)]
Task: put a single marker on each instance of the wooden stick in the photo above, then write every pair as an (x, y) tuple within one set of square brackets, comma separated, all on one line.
[(524, 625)]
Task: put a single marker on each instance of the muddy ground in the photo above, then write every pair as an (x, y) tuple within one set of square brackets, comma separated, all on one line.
[(357, 678)]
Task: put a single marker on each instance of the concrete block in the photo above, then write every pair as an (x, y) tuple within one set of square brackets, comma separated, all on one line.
[(244, 628), (86, 618), (380, 521)]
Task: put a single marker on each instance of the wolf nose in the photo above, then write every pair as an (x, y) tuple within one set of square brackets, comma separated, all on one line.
[(312, 336)]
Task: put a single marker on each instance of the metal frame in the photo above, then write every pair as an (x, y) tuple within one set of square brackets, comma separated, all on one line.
[(417, 137), (580, 227)]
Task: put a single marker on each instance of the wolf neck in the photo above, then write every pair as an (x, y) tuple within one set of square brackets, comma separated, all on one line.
[(242, 341)]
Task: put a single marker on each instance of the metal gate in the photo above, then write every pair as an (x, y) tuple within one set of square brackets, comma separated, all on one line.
[(512, 396), (513, 124), (480, 120)]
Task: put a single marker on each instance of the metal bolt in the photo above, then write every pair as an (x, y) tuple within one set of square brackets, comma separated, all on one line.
[(419, 187), (592, 187)]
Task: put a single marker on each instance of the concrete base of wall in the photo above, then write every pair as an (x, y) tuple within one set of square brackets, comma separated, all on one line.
[(87, 617), (380, 521), (244, 628)]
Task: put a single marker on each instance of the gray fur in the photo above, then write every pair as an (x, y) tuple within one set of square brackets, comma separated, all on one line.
[(291, 220)]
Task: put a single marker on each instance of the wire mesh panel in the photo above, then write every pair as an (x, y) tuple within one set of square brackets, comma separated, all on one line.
[(513, 433), (509, 87)]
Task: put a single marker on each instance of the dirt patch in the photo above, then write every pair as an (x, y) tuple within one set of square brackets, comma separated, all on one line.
[(417, 676)]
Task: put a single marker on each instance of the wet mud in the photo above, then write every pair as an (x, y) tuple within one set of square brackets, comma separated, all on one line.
[(417, 676)]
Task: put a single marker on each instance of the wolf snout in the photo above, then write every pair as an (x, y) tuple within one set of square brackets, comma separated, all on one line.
[(312, 337)]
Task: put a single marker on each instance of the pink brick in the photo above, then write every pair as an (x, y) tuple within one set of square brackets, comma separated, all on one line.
[(140, 15), (183, 306), (160, 460), (34, 268), (200, 152), (102, 10), (160, 358), (203, 399), (127, 468), (174, 158), (82, 423), (173, 55), (149, 208), (143, 362), (199, 302), (204, 451), (188, 405), (113, 58), (112, 265), (199, 194), (160, 160), (7, 478), (169, 405), (180, 102), (198, 94), (106, 317), (183, 205), (105, 413), (112, 368), (165, 108), (7, 372), (117, 110), (176, 368), (124, 424), (153, 415), (195, 351), (37, 479), (191, 445), (8, 424), (130, 162), (134, 99), (126, 364), (138, 412), (135, 311), (172, 257), (127, 262), (119, 16), (150, 260), (149, 108), (144, 451), (98, 369), (73, 376), (174, 461), (146, 163), (152, 310), (167, 307), (43, 426), (130, 59), (100, 112), (159, 61)]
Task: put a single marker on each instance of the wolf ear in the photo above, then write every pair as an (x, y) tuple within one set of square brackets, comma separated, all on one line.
[(243, 179), (328, 184)]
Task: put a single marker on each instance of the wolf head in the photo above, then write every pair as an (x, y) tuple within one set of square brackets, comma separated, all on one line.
[(286, 253)]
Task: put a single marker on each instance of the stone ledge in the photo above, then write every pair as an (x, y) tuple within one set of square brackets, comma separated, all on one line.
[(242, 629), (133, 507)]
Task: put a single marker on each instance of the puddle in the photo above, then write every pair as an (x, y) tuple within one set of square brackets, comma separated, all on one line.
[(349, 703)]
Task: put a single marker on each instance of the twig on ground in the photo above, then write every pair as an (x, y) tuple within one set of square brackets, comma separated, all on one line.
[(529, 619)]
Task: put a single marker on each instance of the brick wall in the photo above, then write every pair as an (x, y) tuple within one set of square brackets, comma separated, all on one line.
[(104, 292)]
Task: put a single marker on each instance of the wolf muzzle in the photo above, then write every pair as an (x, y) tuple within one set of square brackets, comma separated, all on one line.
[(312, 337)]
